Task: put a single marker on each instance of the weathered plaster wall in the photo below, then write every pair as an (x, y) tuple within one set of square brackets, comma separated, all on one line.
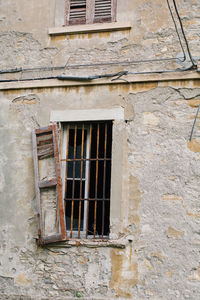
[(160, 212), (25, 41), (158, 257)]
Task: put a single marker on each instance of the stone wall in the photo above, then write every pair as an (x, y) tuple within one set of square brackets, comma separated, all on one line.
[(156, 252)]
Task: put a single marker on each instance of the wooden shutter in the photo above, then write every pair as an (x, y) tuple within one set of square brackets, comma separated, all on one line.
[(90, 11), (76, 12), (103, 11), (48, 185)]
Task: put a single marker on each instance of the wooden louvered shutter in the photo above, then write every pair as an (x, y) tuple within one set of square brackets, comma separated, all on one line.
[(103, 11), (48, 185), (90, 11), (76, 12)]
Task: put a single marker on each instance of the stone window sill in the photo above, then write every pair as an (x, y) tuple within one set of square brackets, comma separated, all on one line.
[(89, 28), (103, 243)]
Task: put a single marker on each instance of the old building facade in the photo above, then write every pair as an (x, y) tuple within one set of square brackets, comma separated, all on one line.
[(95, 65)]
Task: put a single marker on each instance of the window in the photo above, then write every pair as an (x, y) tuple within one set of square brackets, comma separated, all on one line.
[(77, 196), (86, 172), (90, 11)]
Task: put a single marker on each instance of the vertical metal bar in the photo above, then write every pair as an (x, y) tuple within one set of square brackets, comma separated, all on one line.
[(104, 178), (60, 134), (81, 180), (66, 163), (67, 154), (88, 187), (59, 143), (96, 183), (73, 184)]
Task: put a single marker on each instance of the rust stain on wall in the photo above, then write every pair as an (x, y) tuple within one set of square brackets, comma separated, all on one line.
[(144, 86), (134, 199), (169, 274), (196, 83), (158, 255), (87, 89), (124, 275), (117, 266), (23, 280), (173, 233), (194, 145), (104, 34), (12, 92), (57, 38), (194, 103), (172, 197), (194, 215)]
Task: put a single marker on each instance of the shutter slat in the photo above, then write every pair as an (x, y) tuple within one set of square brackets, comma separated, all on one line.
[(47, 183), (44, 138), (45, 151)]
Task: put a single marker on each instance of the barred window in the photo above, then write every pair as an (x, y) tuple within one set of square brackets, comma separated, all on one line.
[(86, 174), (72, 164)]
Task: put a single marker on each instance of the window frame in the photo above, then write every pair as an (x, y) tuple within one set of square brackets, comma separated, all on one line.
[(60, 16), (116, 115)]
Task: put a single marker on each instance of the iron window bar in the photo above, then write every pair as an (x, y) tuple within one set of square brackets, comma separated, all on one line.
[(86, 170)]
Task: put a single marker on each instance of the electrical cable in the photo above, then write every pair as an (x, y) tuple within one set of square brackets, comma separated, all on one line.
[(184, 55), (89, 78), (183, 32), (75, 66), (127, 62), (195, 119)]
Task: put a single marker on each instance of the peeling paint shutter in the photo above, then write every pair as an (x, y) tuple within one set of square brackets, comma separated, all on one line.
[(90, 11), (48, 185), (77, 12), (103, 11)]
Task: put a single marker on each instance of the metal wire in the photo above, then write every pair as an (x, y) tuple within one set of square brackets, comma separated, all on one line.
[(89, 78), (191, 134), (183, 32), (76, 66), (176, 28), (126, 62)]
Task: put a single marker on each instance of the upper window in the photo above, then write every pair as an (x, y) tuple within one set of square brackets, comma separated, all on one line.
[(90, 11)]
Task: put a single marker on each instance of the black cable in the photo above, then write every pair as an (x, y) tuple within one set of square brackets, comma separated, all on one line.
[(89, 78), (176, 30), (160, 71), (195, 119), (183, 32), (28, 79), (11, 70), (75, 66)]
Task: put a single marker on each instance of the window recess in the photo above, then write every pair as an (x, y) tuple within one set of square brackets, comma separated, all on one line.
[(86, 174), (90, 11)]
